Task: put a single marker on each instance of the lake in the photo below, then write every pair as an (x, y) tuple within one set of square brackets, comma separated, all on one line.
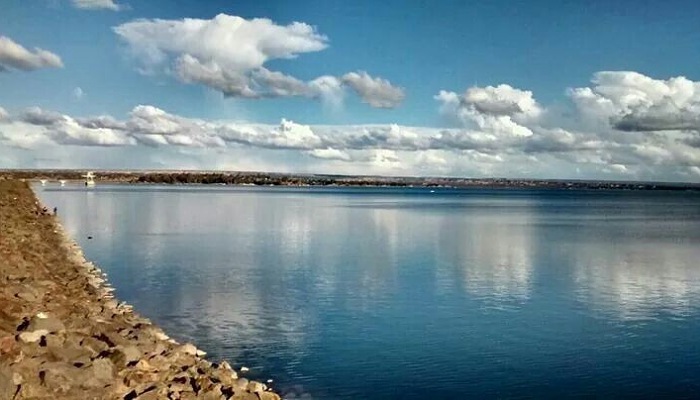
[(373, 293)]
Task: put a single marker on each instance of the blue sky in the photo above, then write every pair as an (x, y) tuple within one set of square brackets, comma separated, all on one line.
[(544, 50)]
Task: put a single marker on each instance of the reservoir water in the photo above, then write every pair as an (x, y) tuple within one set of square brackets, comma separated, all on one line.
[(358, 293)]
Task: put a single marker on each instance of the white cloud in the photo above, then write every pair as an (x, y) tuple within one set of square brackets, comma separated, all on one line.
[(382, 159), (329, 89), (22, 136), (229, 53), (501, 110), (15, 56), (617, 168), (501, 100), (3, 113), (330, 154), (152, 126), (376, 92), (63, 129), (505, 120), (432, 160), (70, 132), (279, 84), (97, 5), (227, 46), (502, 131), (631, 101)]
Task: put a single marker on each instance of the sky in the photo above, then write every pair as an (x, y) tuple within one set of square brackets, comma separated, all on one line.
[(519, 89)]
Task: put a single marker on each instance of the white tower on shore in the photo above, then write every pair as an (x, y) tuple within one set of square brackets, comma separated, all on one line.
[(89, 178)]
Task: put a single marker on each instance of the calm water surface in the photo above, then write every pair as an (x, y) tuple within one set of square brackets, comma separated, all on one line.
[(402, 293)]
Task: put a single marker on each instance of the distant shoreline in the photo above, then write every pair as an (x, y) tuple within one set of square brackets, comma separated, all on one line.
[(303, 180)]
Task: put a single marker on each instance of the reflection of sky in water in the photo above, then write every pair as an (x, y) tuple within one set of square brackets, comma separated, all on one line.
[(638, 278), (350, 293)]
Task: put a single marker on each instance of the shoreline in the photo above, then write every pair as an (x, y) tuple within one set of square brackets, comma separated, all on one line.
[(64, 334), (325, 180)]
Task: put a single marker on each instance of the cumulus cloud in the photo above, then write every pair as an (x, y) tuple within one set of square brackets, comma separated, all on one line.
[(376, 92), (499, 131), (502, 109), (631, 102), (509, 121), (279, 84), (330, 154), (15, 56), (225, 48), (229, 53), (329, 89), (102, 122), (152, 126), (501, 100), (63, 129), (38, 116), (97, 5), (229, 82)]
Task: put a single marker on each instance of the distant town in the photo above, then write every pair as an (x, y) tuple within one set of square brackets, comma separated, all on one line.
[(286, 179)]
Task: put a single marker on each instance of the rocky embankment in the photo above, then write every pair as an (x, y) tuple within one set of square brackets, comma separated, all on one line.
[(64, 336)]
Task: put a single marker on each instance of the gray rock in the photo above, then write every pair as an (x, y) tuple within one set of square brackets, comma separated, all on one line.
[(42, 321), (241, 383), (225, 375), (189, 349), (59, 376), (256, 387), (7, 386), (68, 351), (99, 374), (94, 345), (269, 396), (33, 336), (124, 355), (8, 344)]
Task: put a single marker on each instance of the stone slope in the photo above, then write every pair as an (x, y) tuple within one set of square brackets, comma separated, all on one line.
[(63, 335)]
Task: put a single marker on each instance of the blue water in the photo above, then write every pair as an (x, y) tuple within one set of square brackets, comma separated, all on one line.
[(406, 294)]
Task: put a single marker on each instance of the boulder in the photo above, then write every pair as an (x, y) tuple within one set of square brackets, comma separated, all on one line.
[(44, 321), (241, 383), (7, 386), (122, 356), (256, 387), (99, 374), (225, 375), (33, 336), (94, 345), (143, 365), (269, 396), (189, 349), (68, 351), (59, 376), (49, 323), (214, 394), (7, 345)]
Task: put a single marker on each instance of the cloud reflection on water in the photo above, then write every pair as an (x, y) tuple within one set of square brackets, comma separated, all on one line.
[(302, 280), (638, 282)]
